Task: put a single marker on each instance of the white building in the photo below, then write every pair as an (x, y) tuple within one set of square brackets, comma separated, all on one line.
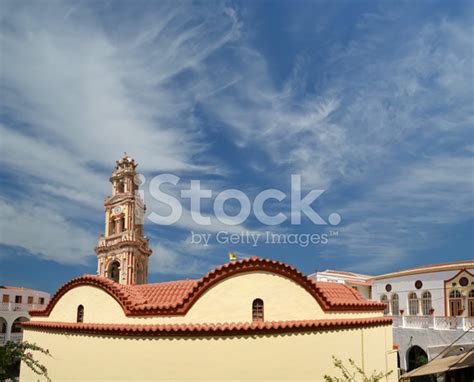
[(432, 307), (361, 283), (14, 306)]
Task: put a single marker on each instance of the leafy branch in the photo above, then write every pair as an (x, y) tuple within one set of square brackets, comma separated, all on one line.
[(357, 374), (12, 353)]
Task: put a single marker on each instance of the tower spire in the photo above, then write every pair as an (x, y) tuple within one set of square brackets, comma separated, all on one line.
[(123, 251)]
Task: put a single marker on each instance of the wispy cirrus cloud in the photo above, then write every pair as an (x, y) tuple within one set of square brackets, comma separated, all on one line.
[(44, 232), (186, 88), (104, 95), (406, 214), (78, 89), (391, 122)]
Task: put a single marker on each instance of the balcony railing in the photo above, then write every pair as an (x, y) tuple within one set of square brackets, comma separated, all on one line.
[(3, 338), (16, 337), (13, 306), (433, 322)]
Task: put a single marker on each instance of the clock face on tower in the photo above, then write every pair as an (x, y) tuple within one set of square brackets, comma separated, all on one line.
[(117, 210)]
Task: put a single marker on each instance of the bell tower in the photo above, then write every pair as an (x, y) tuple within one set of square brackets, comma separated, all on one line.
[(123, 251)]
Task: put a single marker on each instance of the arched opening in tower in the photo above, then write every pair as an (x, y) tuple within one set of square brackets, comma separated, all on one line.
[(114, 271)]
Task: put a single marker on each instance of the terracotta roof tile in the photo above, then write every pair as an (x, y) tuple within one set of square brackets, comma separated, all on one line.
[(160, 295), (177, 297), (340, 294), (187, 330)]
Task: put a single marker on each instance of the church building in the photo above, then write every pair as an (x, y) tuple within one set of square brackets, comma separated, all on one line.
[(250, 319)]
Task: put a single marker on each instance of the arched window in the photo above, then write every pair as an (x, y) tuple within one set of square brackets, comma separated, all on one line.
[(80, 314), (412, 304), (16, 326), (416, 357), (140, 273), (121, 187), (470, 304), (395, 305), (384, 300), (455, 303), (257, 310), (426, 303), (112, 227), (114, 271), (455, 294), (122, 225)]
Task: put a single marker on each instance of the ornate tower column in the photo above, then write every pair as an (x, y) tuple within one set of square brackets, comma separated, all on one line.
[(122, 252)]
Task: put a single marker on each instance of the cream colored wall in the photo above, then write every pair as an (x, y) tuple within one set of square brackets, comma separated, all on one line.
[(259, 358), (463, 290), (99, 306), (228, 301), (231, 300)]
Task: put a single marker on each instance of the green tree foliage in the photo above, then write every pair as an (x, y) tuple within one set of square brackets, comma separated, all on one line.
[(12, 353), (354, 373)]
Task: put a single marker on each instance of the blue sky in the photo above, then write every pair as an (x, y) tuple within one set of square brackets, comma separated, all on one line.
[(370, 101)]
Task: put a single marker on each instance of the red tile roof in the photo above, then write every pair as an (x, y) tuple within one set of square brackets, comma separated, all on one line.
[(177, 297), (161, 295), (200, 330)]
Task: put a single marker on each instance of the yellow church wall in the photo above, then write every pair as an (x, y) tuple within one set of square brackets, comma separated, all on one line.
[(294, 357), (99, 306), (232, 299), (228, 301)]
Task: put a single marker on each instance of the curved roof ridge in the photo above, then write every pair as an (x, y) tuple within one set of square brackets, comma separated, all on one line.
[(177, 297)]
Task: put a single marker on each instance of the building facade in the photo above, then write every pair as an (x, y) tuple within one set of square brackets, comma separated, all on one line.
[(432, 307), (251, 319), (14, 307)]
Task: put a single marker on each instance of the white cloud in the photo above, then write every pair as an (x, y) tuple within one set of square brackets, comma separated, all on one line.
[(409, 213), (392, 122), (44, 232), (76, 87), (76, 96), (79, 88)]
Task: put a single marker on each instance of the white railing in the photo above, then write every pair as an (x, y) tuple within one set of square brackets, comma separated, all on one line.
[(432, 322), (418, 322), (16, 337), (12, 306), (468, 323), (447, 323), (3, 338)]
